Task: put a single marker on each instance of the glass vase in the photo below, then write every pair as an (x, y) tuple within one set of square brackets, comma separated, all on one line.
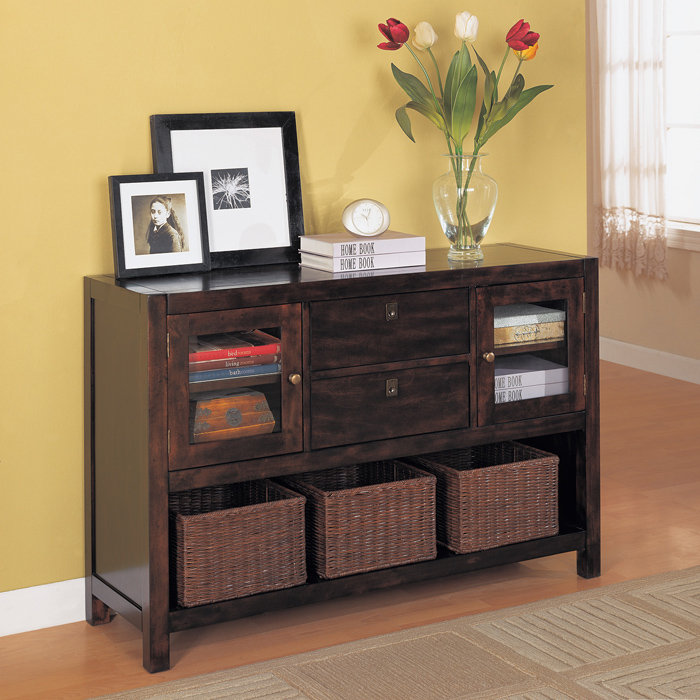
[(465, 199)]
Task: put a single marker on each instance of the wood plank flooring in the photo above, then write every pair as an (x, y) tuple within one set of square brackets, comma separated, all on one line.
[(650, 455)]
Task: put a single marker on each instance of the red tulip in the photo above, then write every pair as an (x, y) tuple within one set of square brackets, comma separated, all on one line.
[(396, 32), (520, 37)]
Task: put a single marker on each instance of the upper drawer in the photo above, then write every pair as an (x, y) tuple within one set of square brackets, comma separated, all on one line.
[(373, 330)]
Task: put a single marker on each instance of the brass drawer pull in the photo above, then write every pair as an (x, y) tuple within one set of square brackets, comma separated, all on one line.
[(392, 310), (392, 388), (489, 356)]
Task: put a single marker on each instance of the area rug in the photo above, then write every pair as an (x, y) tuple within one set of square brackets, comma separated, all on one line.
[(637, 639)]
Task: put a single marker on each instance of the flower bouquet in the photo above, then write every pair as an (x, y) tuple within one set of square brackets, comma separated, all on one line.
[(466, 200)]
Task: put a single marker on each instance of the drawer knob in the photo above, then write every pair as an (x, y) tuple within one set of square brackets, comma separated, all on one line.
[(392, 388), (489, 356), (392, 311), (294, 378)]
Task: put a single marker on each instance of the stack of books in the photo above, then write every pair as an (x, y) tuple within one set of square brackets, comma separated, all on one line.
[(343, 252), (519, 377), (520, 324), (226, 355)]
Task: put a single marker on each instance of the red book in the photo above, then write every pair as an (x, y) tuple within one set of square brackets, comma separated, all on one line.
[(241, 344)]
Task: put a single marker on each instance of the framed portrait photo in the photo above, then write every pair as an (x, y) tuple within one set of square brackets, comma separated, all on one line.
[(250, 164), (159, 224)]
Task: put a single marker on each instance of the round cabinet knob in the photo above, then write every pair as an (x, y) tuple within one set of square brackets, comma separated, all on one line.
[(489, 356), (294, 378)]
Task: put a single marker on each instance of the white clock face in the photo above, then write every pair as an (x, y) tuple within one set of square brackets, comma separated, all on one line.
[(367, 217)]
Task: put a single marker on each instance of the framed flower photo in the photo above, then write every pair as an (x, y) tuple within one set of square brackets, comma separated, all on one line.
[(159, 224), (250, 164)]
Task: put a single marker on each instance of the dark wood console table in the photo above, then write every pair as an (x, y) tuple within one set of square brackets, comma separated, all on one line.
[(430, 329)]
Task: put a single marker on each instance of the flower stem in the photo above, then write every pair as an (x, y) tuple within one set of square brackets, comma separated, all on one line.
[(503, 63), (427, 77), (437, 70)]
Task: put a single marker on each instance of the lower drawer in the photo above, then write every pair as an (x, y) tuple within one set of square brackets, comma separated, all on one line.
[(380, 405)]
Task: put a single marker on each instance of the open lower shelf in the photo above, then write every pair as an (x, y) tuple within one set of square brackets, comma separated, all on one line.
[(314, 591)]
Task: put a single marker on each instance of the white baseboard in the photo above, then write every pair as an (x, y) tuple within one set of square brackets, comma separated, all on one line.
[(42, 606), (649, 360)]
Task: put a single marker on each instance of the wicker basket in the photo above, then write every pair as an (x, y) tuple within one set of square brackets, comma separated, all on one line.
[(493, 495), (236, 540), (367, 516)]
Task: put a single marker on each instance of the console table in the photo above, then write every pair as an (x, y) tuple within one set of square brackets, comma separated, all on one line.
[(377, 365)]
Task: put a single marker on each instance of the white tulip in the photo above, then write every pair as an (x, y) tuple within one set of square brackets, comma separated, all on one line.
[(424, 36), (466, 26)]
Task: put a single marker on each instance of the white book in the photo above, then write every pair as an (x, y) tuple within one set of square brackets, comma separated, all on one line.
[(337, 245), (363, 262), (515, 371), (309, 274), (531, 392)]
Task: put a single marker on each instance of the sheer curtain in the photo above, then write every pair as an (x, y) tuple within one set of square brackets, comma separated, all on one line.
[(626, 116)]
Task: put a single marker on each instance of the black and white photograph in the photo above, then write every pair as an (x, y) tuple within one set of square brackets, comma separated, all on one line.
[(158, 224), (250, 164)]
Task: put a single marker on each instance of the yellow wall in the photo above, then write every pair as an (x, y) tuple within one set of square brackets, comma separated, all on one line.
[(78, 81)]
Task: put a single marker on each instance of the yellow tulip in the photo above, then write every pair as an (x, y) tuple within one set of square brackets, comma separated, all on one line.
[(528, 53)]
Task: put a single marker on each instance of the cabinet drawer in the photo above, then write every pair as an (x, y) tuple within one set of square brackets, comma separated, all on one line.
[(372, 330), (363, 407)]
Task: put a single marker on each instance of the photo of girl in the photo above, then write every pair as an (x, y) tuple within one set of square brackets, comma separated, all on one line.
[(157, 226), (164, 234)]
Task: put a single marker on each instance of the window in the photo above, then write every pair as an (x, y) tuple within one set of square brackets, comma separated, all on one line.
[(682, 33)]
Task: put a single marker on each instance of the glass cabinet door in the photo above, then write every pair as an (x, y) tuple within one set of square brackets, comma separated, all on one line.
[(234, 385), (530, 355)]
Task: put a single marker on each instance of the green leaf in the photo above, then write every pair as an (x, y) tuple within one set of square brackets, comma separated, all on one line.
[(483, 65), (404, 122), (413, 87), (463, 107), (456, 73), (432, 114), (480, 125), (522, 101), (515, 89)]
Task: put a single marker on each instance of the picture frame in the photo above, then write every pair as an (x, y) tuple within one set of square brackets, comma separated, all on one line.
[(250, 163), (159, 224)]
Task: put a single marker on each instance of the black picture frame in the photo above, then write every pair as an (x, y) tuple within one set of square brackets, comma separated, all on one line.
[(138, 249), (266, 229)]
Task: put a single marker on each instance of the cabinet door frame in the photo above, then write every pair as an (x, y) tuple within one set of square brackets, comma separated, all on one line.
[(570, 290), (182, 453)]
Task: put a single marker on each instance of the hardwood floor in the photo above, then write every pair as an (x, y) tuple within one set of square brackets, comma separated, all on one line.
[(650, 456)]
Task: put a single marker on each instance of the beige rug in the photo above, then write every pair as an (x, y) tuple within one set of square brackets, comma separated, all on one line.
[(638, 639)]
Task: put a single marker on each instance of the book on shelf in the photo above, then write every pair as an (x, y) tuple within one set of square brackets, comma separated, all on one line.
[(240, 344), (518, 324), (531, 392), (363, 262), (343, 245), (252, 371), (227, 362), (516, 371)]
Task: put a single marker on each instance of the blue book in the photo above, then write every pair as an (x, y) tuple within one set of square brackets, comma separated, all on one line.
[(211, 374)]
